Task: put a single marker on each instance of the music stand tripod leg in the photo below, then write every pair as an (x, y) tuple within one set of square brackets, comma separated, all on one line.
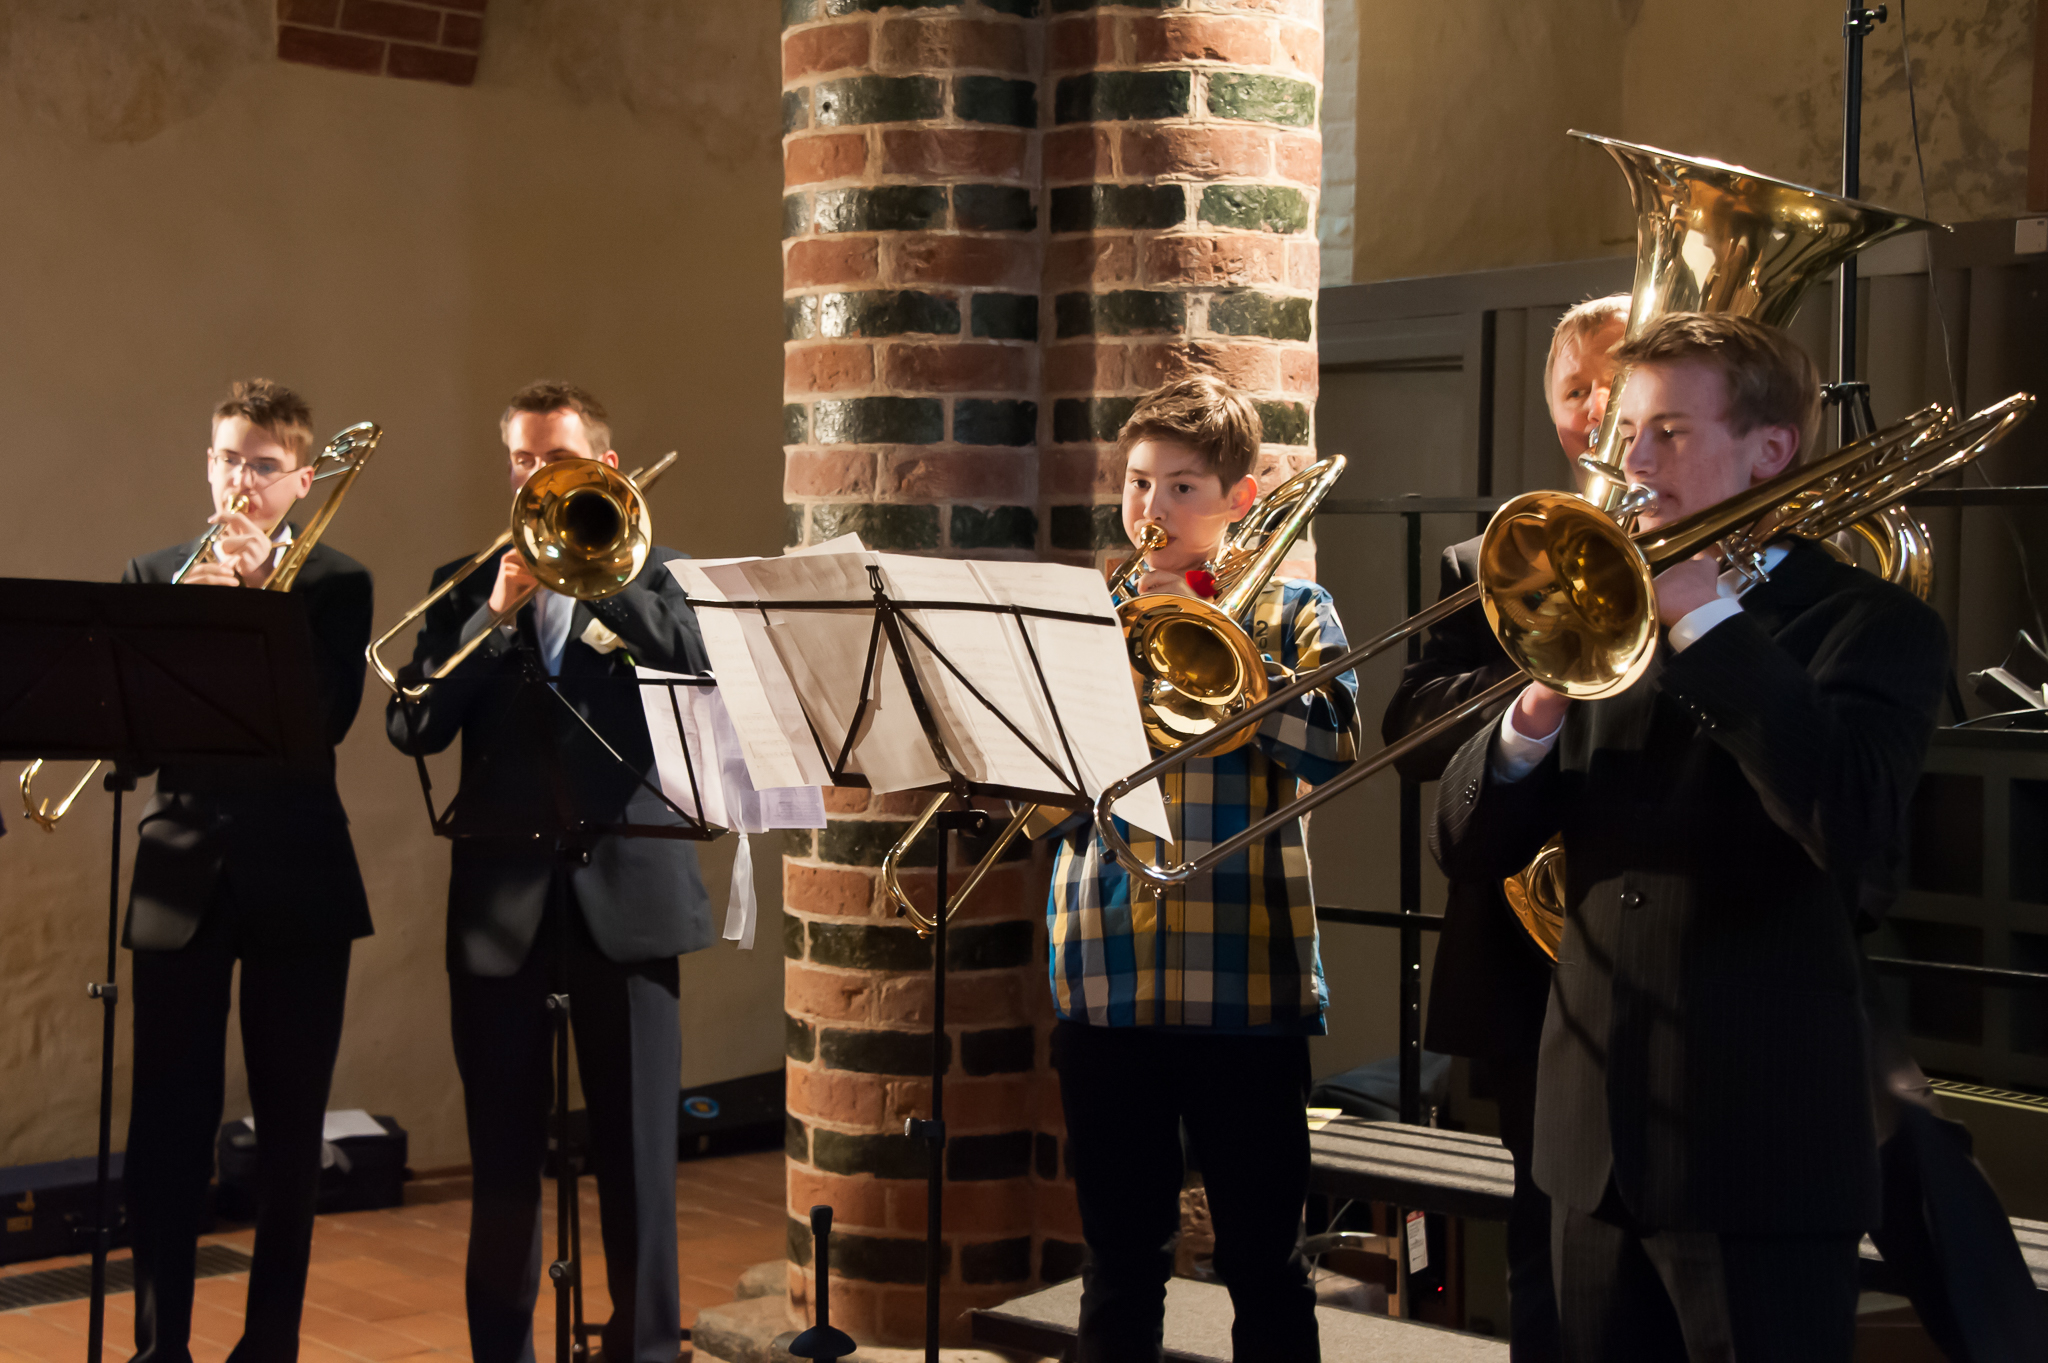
[(117, 782)]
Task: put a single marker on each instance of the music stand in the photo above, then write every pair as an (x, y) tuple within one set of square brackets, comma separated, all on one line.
[(892, 630), (474, 813), (141, 676)]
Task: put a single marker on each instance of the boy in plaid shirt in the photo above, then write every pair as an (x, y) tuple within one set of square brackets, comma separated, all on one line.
[(1195, 1007)]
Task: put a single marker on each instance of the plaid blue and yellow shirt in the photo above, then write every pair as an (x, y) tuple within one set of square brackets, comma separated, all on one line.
[(1235, 948)]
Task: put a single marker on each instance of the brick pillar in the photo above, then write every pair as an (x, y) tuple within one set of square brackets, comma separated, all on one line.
[(1181, 165), (911, 266)]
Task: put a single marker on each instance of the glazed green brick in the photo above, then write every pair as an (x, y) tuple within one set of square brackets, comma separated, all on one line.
[(798, 11), (1006, 1154), (993, 208), (885, 208), (856, 100), (796, 110), (841, 1152), (1045, 1158), (1077, 6), (1120, 312), (879, 421), (1116, 96), (1059, 1260), (1005, 316), (996, 527), (995, 99), (796, 1140), (994, 421), (792, 937), (866, 1050), (1087, 527), (863, 842), (882, 1259), (996, 1261), (839, 7), (1075, 420), (1256, 208), (796, 424), (792, 525), (869, 946), (1023, 9), (796, 215), (799, 1039), (1262, 99), (872, 312), (990, 946), (879, 526), (1084, 208), (1261, 314), (999, 1050), (1283, 423), (799, 1240)]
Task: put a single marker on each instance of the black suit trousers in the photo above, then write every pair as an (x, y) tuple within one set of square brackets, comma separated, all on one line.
[(623, 1021), (1127, 1091), (1633, 1294), (292, 999)]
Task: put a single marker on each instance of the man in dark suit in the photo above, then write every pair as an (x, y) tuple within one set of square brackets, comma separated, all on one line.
[(1490, 982), (538, 908), (255, 866), (1704, 1118)]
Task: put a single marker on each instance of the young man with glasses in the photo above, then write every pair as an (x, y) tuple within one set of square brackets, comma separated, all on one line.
[(252, 865)]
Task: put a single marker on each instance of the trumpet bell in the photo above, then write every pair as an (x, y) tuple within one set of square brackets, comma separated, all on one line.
[(583, 527), (1568, 595), (1195, 669)]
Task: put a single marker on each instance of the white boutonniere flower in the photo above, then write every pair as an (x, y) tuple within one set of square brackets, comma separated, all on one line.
[(600, 639)]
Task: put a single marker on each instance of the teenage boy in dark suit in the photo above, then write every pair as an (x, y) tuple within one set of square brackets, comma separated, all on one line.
[(250, 866)]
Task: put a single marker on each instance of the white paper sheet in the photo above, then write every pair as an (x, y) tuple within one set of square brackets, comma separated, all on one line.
[(694, 720)]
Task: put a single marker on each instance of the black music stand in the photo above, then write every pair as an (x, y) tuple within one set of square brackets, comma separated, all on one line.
[(474, 813), (143, 675), (893, 631)]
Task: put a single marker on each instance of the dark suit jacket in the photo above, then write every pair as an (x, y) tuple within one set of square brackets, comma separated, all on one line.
[(1730, 822), (642, 897), (279, 840), (1488, 987)]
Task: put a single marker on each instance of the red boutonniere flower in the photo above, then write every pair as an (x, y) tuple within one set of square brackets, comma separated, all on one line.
[(1201, 582)]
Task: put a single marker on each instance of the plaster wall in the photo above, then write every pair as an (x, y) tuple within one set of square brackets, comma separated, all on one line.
[(183, 210), (1461, 110)]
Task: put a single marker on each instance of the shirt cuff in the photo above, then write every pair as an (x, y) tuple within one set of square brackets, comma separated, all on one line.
[(1517, 754), (1696, 622)]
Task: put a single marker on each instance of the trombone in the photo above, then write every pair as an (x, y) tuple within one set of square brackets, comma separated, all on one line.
[(343, 457), (583, 529), (1569, 592)]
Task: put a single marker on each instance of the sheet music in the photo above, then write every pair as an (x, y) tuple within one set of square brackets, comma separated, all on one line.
[(801, 668), (1088, 674), (764, 709)]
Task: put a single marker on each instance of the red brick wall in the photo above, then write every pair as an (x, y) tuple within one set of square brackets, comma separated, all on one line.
[(435, 40)]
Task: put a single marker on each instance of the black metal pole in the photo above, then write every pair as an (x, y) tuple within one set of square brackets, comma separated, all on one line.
[(1856, 25), (935, 1130), (109, 996), (1411, 876)]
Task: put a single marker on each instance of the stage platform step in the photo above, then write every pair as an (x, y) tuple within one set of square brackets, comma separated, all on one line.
[(1198, 1329), (1460, 1173)]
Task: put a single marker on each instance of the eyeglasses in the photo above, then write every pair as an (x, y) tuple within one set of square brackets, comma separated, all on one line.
[(261, 470)]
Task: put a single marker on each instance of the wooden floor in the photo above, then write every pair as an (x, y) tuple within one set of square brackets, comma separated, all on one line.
[(387, 1285)]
